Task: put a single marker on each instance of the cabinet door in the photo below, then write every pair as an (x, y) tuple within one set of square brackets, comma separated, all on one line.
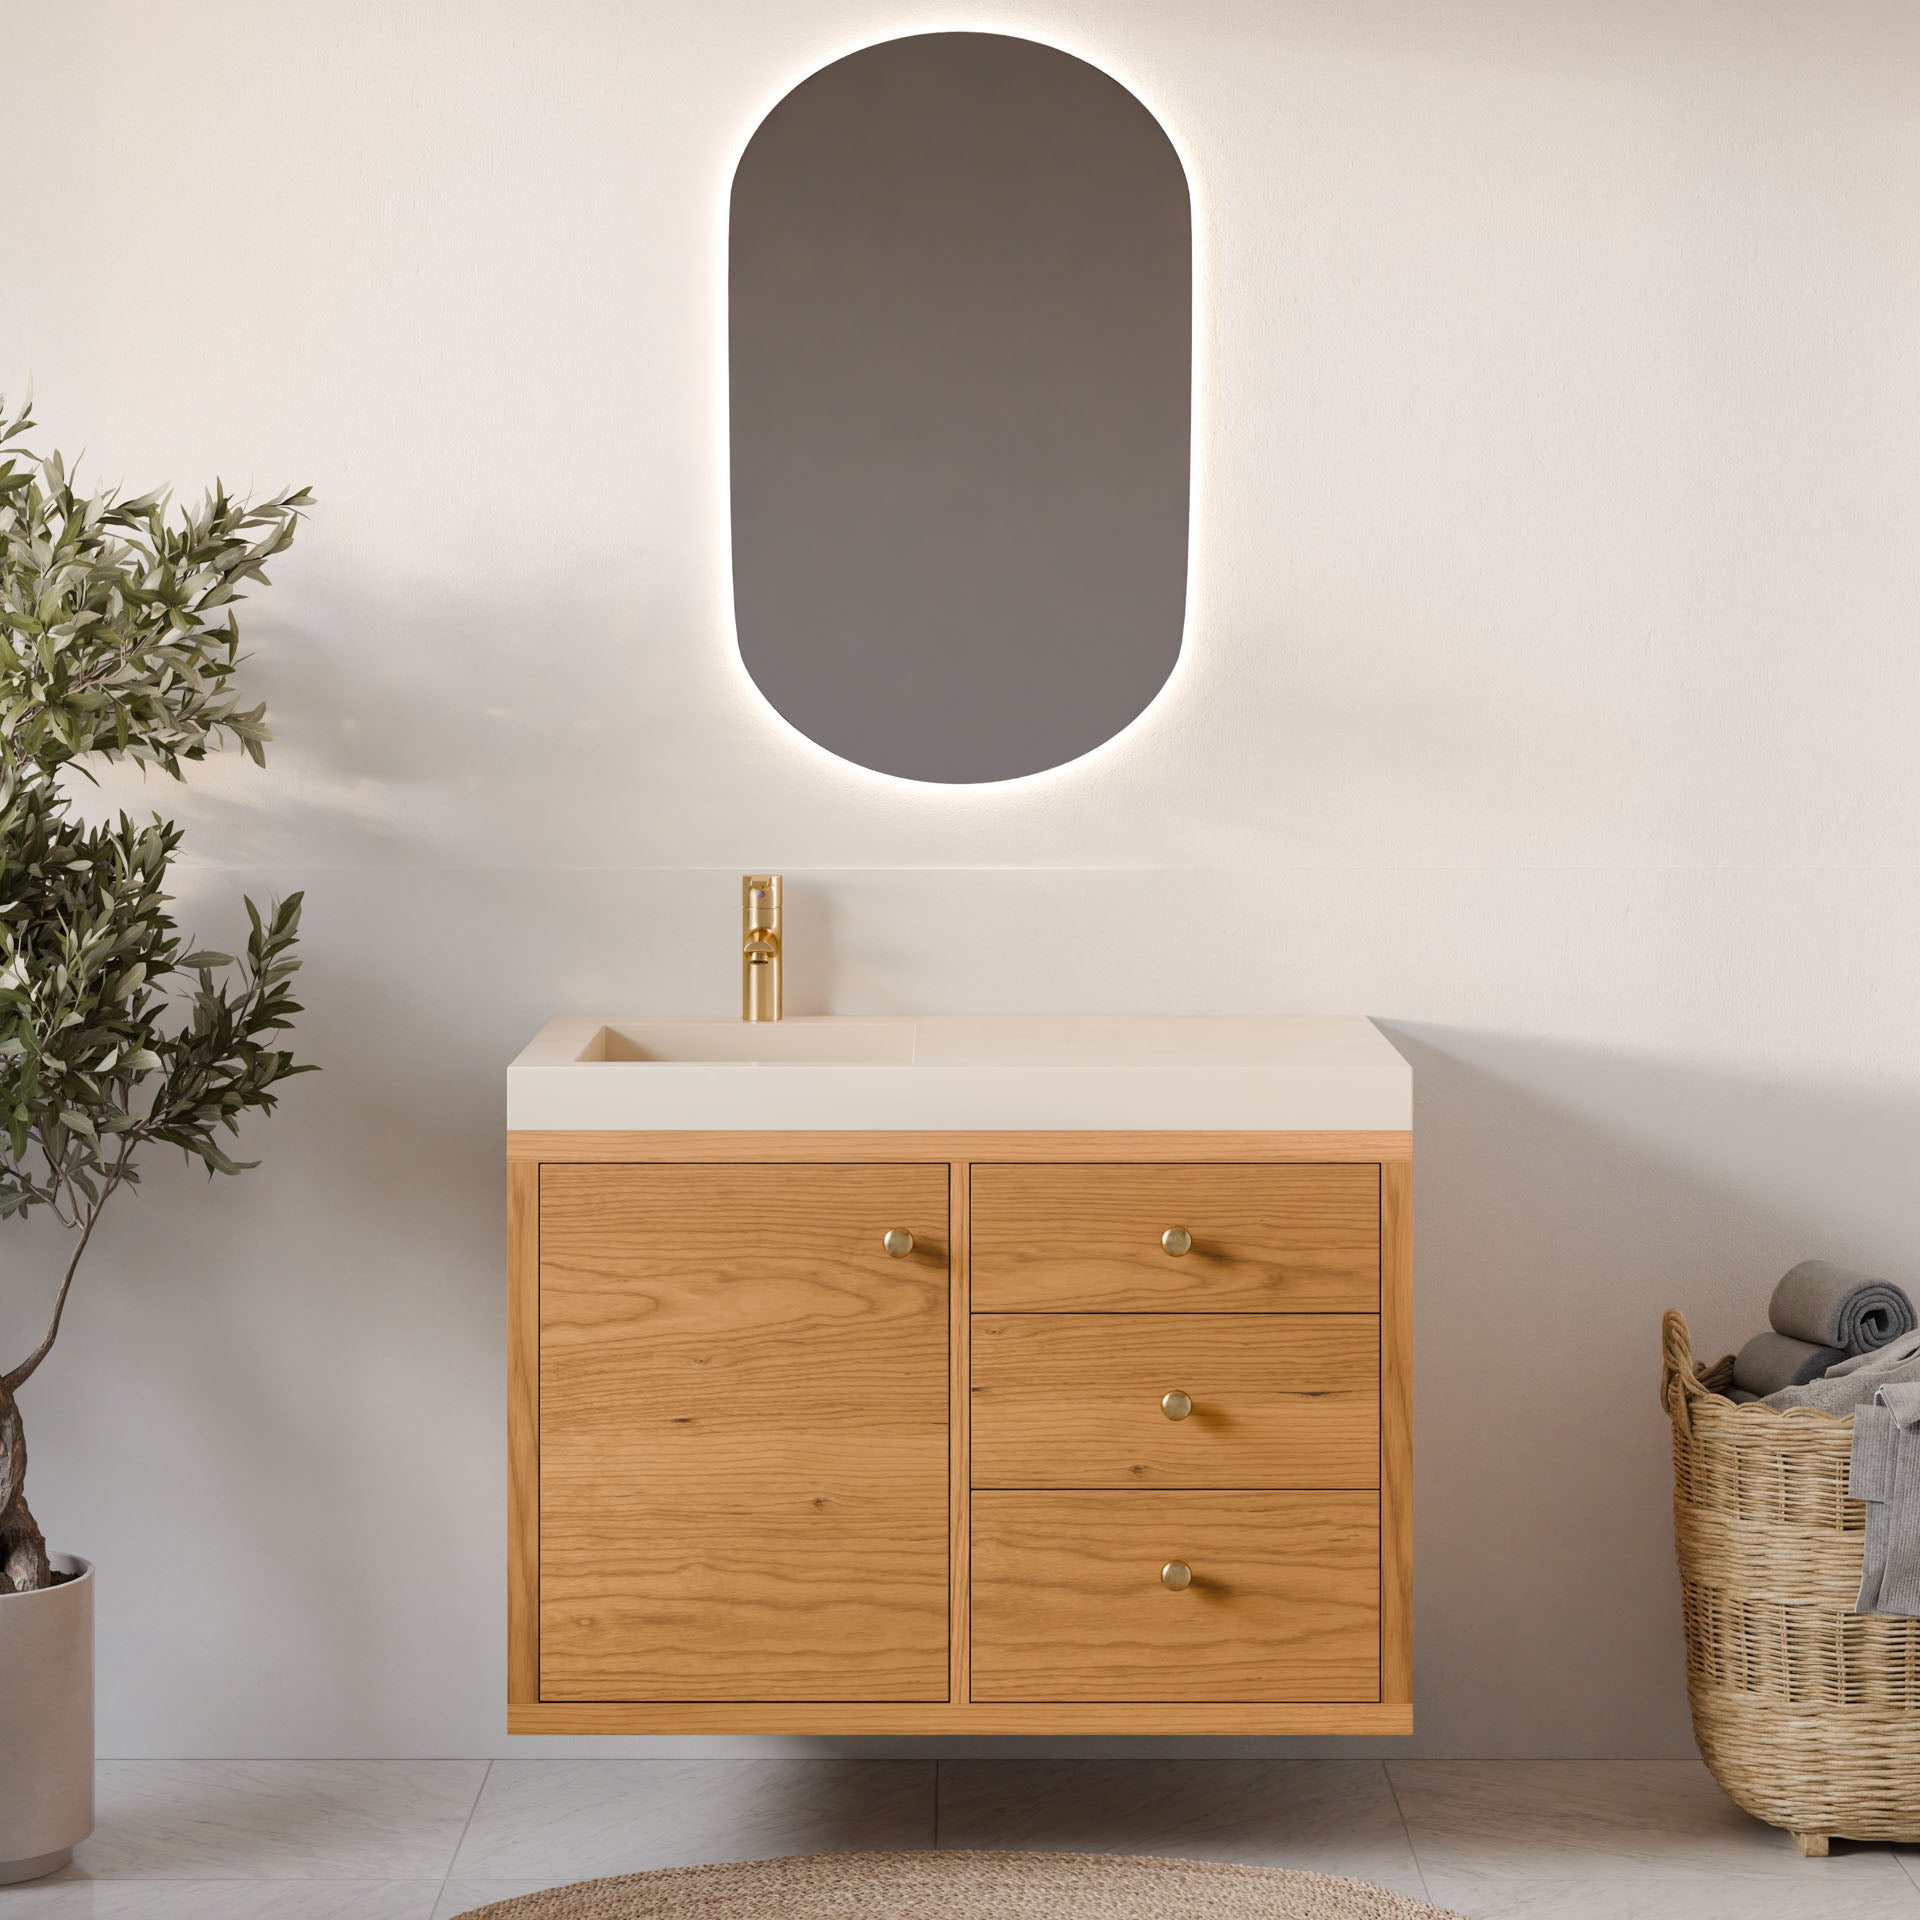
[(743, 1433)]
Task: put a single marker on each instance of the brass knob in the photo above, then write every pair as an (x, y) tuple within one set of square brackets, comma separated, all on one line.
[(1177, 1240), (1176, 1405), (898, 1242), (1176, 1576)]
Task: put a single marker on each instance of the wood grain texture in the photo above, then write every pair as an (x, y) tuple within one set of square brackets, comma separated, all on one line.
[(750, 1144), (1396, 1432), (1068, 1602), (1073, 1400), (1086, 1238), (523, 1431), (744, 1449), (1361, 1717)]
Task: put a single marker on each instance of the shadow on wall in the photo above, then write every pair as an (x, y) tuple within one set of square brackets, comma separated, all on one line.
[(1565, 1196), (498, 728)]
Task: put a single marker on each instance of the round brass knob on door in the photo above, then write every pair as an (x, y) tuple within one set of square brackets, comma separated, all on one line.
[(1176, 1405), (1176, 1576), (1177, 1240), (898, 1242)]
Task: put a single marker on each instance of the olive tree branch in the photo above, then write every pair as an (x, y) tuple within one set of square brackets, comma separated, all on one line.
[(18, 1377)]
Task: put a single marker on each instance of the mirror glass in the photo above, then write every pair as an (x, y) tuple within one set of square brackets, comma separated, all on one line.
[(960, 299)]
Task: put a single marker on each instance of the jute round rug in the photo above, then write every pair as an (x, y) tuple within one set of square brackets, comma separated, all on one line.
[(966, 1886)]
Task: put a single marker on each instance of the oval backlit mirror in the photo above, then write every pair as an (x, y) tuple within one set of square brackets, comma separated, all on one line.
[(960, 299)]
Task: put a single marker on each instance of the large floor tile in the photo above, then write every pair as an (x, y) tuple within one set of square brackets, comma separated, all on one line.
[(1326, 1816), (1623, 1836), (278, 1819), (579, 1819), (83, 1899), (1680, 1896), (462, 1896)]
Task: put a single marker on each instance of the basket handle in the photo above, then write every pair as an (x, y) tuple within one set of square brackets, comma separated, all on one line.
[(1680, 1382)]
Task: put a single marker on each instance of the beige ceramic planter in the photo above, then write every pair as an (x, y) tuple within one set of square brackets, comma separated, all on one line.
[(46, 1724)]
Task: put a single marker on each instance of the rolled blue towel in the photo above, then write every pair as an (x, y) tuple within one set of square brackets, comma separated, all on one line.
[(1829, 1306), (1770, 1361)]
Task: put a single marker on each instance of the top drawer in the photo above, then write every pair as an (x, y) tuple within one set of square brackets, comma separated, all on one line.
[(1092, 1238)]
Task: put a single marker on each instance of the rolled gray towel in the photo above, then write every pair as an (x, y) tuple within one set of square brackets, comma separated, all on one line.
[(1770, 1361), (1829, 1306)]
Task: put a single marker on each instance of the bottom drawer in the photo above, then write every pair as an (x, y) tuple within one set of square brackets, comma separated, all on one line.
[(1069, 1601)]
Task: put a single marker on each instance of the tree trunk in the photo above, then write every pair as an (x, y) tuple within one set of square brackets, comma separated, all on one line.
[(23, 1549)]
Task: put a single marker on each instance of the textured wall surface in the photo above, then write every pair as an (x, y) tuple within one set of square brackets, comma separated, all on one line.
[(1550, 694)]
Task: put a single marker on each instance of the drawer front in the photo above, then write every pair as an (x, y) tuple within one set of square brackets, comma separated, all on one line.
[(1069, 1601), (1076, 1400), (1090, 1238)]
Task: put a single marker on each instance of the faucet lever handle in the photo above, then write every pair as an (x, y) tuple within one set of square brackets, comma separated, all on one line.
[(760, 899)]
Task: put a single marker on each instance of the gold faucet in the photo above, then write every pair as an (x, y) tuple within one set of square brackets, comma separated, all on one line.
[(760, 996)]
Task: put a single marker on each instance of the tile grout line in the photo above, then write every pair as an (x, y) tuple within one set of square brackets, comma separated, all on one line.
[(1386, 1773), (453, 1859)]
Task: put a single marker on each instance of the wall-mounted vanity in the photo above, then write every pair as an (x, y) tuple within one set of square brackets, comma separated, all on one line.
[(959, 1375)]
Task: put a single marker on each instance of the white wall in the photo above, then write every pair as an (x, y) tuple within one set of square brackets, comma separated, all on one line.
[(1550, 694)]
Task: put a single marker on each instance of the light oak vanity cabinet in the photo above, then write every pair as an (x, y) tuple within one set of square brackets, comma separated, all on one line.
[(983, 1431)]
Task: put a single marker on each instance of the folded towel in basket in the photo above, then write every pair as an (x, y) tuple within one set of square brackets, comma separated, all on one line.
[(1770, 1361), (1885, 1473), (1854, 1382), (1829, 1306)]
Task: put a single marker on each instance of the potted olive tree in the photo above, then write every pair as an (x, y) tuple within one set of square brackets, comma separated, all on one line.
[(117, 641)]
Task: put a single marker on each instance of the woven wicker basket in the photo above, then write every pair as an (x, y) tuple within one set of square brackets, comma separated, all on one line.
[(1806, 1712)]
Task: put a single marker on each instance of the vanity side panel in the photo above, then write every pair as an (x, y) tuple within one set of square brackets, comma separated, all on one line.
[(523, 1432), (1396, 1434)]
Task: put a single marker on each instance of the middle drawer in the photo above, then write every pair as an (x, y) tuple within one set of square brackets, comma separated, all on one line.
[(1095, 1400)]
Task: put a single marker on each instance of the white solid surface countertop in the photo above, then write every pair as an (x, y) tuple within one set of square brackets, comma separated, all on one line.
[(959, 1074)]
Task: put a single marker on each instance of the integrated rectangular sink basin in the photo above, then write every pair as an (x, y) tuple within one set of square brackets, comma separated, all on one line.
[(761, 1043), (594, 1073)]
